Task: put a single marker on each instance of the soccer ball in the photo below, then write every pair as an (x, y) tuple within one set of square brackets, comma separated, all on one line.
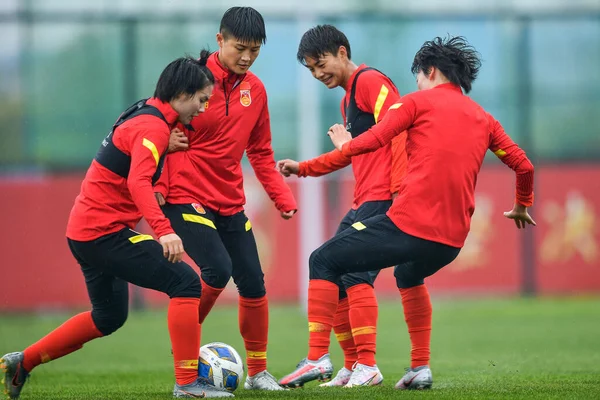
[(221, 366)]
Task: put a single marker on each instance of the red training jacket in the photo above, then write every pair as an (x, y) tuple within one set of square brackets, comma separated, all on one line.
[(448, 135), (108, 202), (377, 174), (210, 171)]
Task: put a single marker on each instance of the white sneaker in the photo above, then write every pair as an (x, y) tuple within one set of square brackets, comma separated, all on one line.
[(416, 378), (342, 377), (308, 370), (262, 381), (198, 389), (363, 375)]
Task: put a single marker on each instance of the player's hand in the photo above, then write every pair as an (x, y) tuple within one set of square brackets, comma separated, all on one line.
[(520, 215), (288, 167), (177, 141), (288, 214), (339, 135), (172, 247), (160, 199)]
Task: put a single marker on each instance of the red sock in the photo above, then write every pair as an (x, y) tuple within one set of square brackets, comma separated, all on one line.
[(343, 333), (363, 319), (417, 313), (209, 297), (322, 304), (64, 340), (185, 337), (254, 327)]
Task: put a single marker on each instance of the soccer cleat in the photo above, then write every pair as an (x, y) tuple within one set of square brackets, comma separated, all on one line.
[(342, 377), (416, 378), (14, 374), (363, 375), (262, 381), (199, 390), (308, 370)]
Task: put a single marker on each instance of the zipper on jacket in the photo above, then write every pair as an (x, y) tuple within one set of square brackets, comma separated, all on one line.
[(227, 96), (226, 100)]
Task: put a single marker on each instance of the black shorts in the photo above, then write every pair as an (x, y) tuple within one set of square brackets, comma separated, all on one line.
[(111, 261), (377, 243), (366, 210), (221, 246)]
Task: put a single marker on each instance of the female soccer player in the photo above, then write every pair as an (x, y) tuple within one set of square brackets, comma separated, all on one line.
[(447, 138), (115, 194)]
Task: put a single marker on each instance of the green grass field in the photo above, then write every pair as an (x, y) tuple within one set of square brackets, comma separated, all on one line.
[(481, 349)]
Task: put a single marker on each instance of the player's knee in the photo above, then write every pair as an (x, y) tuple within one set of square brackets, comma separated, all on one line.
[(217, 274), (188, 284), (253, 287), (349, 280), (318, 267), (108, 321), (315, 264), (407, 278)]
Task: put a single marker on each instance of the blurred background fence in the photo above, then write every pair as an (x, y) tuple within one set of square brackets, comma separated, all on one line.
[(67, 69)]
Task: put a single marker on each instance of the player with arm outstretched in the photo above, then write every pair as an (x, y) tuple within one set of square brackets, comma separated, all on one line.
[(447, 136), (326, 52)]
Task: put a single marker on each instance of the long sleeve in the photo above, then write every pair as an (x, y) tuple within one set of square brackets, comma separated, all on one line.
[(514, 157), (398, 119), (399, 162), (162, 185), (377, 97), (324, 164), (146, 148), (261, 157)]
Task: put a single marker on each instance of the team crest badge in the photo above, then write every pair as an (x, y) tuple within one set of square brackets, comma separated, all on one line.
[(199, 209), (245, 97)]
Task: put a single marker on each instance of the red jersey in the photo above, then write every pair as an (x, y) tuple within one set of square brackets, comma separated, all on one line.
[(448, 135), (236, 119), (377, 174), (108, 202)]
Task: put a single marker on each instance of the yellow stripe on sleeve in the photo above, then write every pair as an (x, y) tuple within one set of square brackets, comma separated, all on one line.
[(395, 106), (359, 226), (380, 100), (199, 220), (500, 153), (149, 145), (140, 238)]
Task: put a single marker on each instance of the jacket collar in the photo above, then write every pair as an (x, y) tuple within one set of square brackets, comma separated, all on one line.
[(221, 72), (165, 109)]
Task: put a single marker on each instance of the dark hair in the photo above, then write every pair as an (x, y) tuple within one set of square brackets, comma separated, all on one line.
[(186, 75), (453, 56), (243, 23), (321, 39)]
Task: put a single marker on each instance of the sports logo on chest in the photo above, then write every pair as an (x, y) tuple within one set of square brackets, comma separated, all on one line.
[(245, 96)]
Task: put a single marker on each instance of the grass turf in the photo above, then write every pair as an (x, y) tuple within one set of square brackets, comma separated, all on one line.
[(481, 349)]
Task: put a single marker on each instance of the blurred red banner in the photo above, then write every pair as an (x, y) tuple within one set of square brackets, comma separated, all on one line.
[(38, 271), (568, 235)]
